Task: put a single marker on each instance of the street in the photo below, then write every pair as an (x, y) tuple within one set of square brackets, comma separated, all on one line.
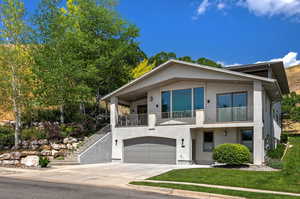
[(27, 189)]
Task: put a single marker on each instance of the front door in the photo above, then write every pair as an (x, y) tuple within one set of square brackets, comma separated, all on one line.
[(142, 114), (142, 109)]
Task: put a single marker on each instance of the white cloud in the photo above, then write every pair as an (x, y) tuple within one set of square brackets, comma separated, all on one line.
[(202, 7), (221, 5), (287, 8), (273, 7), (289, 59)]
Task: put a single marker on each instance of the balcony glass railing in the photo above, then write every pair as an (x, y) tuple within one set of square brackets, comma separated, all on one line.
[(132, 120), (232, 114)]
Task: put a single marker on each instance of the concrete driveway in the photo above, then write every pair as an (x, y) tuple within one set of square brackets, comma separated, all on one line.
[(108, 174)]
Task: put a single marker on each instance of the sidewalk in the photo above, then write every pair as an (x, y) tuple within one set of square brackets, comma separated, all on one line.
[(226, 187)]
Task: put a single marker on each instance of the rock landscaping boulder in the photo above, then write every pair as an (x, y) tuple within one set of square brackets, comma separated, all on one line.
[(46, 153), (16, 155), (5, 156), (42, 141), (26, 153), (31, 161)]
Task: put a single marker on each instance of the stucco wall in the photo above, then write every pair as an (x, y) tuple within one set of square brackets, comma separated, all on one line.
[(219, 138), (100, 152), (174, 132), (211, 91)]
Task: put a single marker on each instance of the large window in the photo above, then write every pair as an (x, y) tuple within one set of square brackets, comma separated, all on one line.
[(181, 103), (247, 138), (208, 141), (198, 98), (178, 103), (232, 107), (165, 104)]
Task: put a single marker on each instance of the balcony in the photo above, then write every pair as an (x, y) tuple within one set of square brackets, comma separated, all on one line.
[(197, 117), (232, 114), (131, 120)]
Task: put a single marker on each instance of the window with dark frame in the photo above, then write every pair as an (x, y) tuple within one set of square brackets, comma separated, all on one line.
[(232, 107), (208, 141)]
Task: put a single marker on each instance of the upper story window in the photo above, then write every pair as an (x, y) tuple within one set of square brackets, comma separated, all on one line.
[(165, 103), (182, 102), (198, 98), (232, 107)]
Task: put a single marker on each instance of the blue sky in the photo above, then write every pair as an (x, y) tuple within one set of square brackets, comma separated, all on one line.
[(228, 31)]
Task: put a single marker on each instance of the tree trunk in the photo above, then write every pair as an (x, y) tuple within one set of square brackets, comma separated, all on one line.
[(62, 117), (16, 105)]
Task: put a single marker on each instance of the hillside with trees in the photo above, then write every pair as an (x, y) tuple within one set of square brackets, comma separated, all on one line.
[(57, 64)]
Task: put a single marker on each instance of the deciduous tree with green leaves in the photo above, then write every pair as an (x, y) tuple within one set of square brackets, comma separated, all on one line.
[(16, 81), (141, 69)]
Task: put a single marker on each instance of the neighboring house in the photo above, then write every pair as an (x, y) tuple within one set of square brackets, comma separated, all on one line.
[(180, 111)]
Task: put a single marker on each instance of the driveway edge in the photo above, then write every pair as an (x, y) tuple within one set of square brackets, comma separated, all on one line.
[(181, 193)]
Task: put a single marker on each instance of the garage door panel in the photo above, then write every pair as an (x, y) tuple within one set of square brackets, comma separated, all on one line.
[(154, 150)]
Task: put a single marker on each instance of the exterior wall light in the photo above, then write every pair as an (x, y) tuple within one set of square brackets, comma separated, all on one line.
[(182, 143), (225, 132), (116, 142)]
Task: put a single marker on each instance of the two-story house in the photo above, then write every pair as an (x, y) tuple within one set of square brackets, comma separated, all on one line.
[(179, 112)]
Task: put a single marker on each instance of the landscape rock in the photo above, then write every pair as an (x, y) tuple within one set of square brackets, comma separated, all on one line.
[(69, 146), (16, 155), (31, 161), (46, 153), (8, 162), (46, 147), (55, 146), (26, 153), (34, 142), (42, 141), (54, 153), (5, 156), (75, 145)]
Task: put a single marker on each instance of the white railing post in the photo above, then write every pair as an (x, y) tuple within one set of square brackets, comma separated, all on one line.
[(200, 117)]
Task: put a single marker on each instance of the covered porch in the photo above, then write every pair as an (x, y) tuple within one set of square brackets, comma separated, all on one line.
[(204, 140)]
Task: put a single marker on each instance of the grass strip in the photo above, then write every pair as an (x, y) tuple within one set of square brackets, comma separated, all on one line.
[(245, 194)]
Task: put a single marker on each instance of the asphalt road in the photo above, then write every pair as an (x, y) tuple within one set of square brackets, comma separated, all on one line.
[(25, 189)]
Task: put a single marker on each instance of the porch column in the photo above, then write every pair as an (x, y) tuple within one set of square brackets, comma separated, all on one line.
[(258, 144), (113, 111)]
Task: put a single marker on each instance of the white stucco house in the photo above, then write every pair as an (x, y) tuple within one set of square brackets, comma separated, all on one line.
[(179, 112)]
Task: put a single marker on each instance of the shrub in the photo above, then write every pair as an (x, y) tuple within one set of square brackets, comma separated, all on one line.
[(232, 154), (43, 162), (32, 134), (275, 164), (276, 153), (6, 136)]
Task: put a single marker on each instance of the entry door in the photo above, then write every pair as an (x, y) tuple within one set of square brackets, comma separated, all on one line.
[(142, 109)]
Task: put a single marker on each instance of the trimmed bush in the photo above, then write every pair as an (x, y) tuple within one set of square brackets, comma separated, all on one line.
[(232, 154)]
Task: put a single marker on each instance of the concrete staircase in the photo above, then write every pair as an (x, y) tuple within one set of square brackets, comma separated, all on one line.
[(72, 158)]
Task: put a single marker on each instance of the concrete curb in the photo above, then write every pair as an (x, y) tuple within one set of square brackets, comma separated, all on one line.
[(181, 193), (226, 187)]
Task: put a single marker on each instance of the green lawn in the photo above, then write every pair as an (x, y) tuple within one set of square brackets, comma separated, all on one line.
[(250, 195), (287, 180)]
